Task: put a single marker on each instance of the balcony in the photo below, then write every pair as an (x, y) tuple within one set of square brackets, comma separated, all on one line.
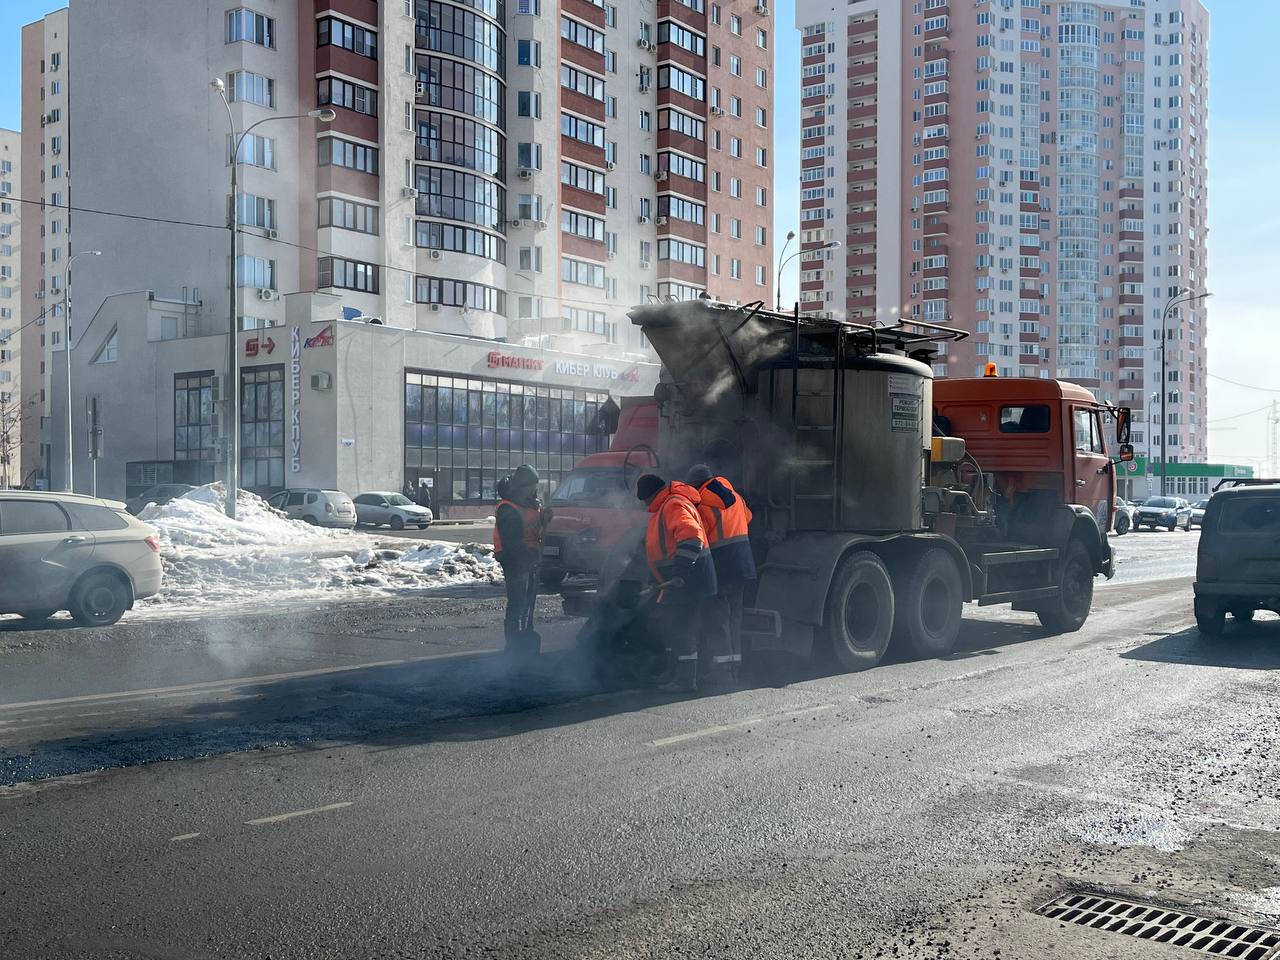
[(863, 28), (1131, 256), (865, 216), (1131, 236), (1131, 193), (863, 113), (860, 260), (862, 70), (861, 154)]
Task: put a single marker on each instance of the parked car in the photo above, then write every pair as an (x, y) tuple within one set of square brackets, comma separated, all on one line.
[(63, 551), (1168, 512), (1238, 561), (1197, 511), (1123, 521), (324, 508), (160, 494), (383, 506)]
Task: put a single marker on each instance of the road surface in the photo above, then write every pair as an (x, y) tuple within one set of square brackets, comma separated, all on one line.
[(369, 781)]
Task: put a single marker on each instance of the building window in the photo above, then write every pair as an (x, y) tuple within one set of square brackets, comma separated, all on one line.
[(682, 251), (262, 436), (193, 430), (466, 434), (446, 28), (461, 142), (348, 215), (458, 195), (255, 272), (582, 130), (458, 86), (582, 272), (344, 153), (246, 87), (671, 77), (582, 225), (250, 27), (343, 93), (458, 239), (577, 32), (255, 151), (529, 53), (528, 104), (108, 352), (461, 293), (339, 33), (254, 211), (347, 275)]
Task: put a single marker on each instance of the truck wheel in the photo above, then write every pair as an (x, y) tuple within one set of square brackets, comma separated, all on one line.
[(1242, 614), (551, 579), (1068, 611), (927, 608), (859, 614), (1210, 618)]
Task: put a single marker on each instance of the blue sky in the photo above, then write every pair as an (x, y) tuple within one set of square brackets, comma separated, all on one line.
[(1244, 202)]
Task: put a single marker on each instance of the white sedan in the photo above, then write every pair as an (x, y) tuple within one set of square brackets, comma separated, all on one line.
[(382, 506)]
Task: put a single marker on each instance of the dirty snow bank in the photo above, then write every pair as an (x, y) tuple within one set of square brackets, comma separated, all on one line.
[(264, 556)]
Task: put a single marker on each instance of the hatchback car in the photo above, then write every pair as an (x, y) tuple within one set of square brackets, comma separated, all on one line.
[(1167, 512), (1197, 511), (1123, 521), (324, 508), (1238, 560), (395, 509), (160, 494), (62, 551)]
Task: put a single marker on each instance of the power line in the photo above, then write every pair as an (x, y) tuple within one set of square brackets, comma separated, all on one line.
[(116, 213), (1247, 386), (1237, 416)]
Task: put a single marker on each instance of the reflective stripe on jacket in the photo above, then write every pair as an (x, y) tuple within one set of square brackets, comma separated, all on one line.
[(726, 517), (675, 543), (531, 518)]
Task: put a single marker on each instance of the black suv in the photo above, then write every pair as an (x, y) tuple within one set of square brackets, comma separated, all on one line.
[(1238, 565)]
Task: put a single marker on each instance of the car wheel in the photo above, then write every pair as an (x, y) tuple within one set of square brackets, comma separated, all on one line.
[(1210, 618), (1173, 525), (309, 519), (99, 599), (397, 523), (1188, 526), (1068, 611), (1122, 525)]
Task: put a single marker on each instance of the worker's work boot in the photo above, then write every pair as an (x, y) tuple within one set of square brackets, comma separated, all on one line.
[(685, 679)]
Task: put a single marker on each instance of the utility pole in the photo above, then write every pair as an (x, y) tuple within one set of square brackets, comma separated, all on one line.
[(1273, 440), (1178, 298)]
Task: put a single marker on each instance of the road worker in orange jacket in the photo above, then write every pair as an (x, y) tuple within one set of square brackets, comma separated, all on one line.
[(519, 522), (726, 517), (678, 554)]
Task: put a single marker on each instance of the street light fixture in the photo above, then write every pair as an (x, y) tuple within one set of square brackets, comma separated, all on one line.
[(69, 482), (232, 392), (1185, 296), (829, 245)]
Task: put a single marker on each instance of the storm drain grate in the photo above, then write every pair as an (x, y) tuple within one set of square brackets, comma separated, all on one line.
[(1222, 938)]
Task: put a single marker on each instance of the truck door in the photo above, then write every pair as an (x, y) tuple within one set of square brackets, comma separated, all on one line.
[(1093, 480)]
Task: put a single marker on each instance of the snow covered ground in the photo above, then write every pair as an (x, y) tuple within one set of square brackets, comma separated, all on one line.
[(262, 556)]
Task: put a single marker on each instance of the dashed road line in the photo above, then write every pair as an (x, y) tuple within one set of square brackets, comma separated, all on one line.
[(725, 727), (279, 817), (183, 836)]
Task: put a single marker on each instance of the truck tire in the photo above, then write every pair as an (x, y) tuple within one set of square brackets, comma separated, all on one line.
[(1211, 618), (859, 614), (927, 607), (1068, 611)]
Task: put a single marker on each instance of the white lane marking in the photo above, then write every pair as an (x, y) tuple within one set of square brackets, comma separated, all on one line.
[(183, 836), (231, 683), (299, 813), (724, 727)]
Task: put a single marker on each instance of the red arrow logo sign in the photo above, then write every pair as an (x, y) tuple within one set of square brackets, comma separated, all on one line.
[(251, 347), (270, 345)]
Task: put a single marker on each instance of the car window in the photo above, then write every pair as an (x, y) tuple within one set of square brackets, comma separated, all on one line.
[(31, 516), (91, 516), (1250, 515), (312, 497), (365, 499), (399, 500), (277, 500), (1033, 418), (295, 499)]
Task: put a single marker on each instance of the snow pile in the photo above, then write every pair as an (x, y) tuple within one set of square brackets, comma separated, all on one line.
[(264, 556)]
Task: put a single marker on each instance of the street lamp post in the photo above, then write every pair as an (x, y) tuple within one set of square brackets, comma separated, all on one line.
[(69, 483), (1185, 296), (829, 245), (232, 391)]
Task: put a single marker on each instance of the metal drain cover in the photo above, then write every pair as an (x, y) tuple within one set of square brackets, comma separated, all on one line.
[(1222, 938)]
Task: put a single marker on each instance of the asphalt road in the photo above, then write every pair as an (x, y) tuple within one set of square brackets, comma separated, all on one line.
[(479, 531), (369, 782)]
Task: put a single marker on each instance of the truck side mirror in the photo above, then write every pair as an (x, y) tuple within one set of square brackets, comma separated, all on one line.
[(1126, 452), (607, 418), (1124, 425)]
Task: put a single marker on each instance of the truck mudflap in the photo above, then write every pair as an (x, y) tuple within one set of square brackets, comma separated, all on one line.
[(796, 576)]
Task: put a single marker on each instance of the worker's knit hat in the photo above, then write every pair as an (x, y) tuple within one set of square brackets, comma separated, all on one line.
[(699, 474), (525, 476), (648, 485)]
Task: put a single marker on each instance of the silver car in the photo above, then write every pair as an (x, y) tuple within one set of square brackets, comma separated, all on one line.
[(382, 506), (324, 508), (63, 551)]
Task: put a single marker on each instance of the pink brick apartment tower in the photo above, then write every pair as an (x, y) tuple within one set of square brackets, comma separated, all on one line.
[(1031, 170)]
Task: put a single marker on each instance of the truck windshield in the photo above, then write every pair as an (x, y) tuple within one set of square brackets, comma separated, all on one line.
[(591, 486), (1250, 515)]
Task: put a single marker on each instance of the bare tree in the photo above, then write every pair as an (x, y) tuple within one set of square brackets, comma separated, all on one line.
[(11, 438)]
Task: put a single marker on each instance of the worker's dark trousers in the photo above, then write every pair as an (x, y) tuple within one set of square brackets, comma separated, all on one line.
[(680, 615), (522, 593), (721, 631)]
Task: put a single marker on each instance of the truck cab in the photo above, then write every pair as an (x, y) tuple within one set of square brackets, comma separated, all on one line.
[(595, 506), (1036, 438)]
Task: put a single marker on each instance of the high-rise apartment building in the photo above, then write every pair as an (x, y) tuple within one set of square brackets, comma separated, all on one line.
[(1031, 170), (11, 393), (507, 171)]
